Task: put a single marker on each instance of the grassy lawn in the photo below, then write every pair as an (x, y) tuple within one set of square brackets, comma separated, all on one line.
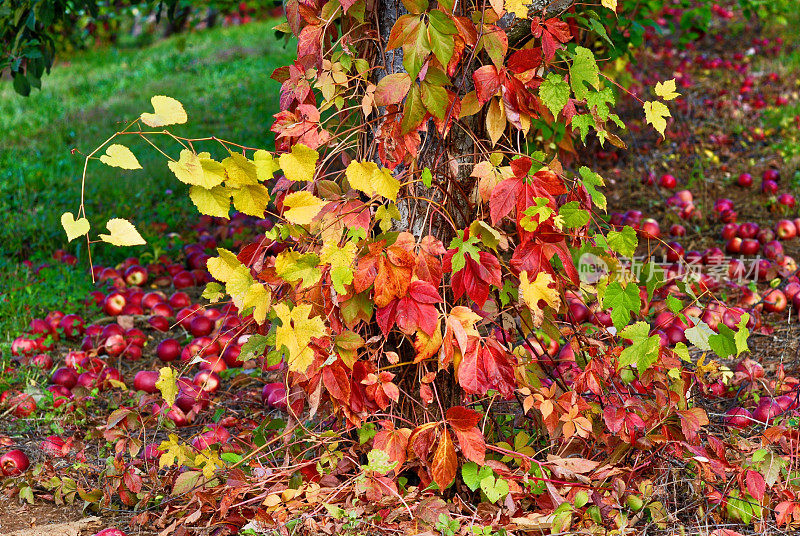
[(222, 77)]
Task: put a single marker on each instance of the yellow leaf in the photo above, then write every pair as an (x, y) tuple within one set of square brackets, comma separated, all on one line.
[(251, 200), (258, 297), (293, 266), (120, 156), (266, 165), (213, 202), (495, 120), (238, 285), (610, 4), (538, 290), (174, 452), (74, 228), (300, 164), (518, 8), (223, 268), (197, 170), (123, 233), (208, 460), (168, 111), (341, 260), (666, 90), (367, 177), (359, 175), (301, 207), (295, 333), (655, 114), (385, 184), (167, 383), (240, 171)]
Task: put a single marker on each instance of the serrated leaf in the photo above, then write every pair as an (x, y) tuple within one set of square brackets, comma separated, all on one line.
[(302, 207), (623, 242), (120, 156), (300, 164), (666, 90), (655, 113), (532, 292), (259, 298), (554, 92), (167, 384), (123, 233), (610, 4), (472, 474), (623, 302), (214, 202), (251, 200), (224, 267), (239, 171), (74, 228), (295, 333), (266, 165), (573, 215), (699, 334), (341, 260), (168, 111), (293, 266), (643, 351), (197, 170), (583, 71), (253, 347), (385, 214), (592, 181), (213, 292)]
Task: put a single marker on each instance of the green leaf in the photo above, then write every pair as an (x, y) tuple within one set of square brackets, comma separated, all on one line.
[(213, 292), (442, 23), (582, 122), (623, 301), (741, 336), (583, 71), (592, 181), (472, 474), (254, 346), (427, 178), (573, 215), (294, 266), (600, 101), (366, 432), (413, 111), (468, 247), (643, 351), (675, 305), (441, 44), (623, 242), (435, 99), (652, 277), (416, 52), (385, 214), (554, 93), (494, 488), (728, 343)]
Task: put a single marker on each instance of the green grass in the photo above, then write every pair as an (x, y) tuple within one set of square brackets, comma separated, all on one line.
[(222, 77)]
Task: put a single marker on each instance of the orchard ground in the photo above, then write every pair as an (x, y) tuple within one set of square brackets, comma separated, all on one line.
[(705, 151)]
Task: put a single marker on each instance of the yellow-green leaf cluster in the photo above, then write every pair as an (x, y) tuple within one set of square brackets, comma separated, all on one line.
[(367, 177), (123, 233), (245, 291), (295, 333)]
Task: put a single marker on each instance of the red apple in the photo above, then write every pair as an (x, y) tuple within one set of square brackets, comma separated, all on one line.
[(75, 359), (39, 327), (114, 304), (730, 230), (24, 405), (201, 326), (65, 377), (787, 200), (668, 181), (22, 346), (162, 309), (179, 300), (649, 229), (145, 380), (750, 246), (745, 180), (150, 299), (136, 276), (786, 230), (748, 230), (771, 174), (111, 532), (71, 326), (734, 245), (773, 250), (168, 350), (55, 446), (677, 230), (207, 380), (159, 323), (775, 301), (115, 344), (183, 280), (136, 337), (54, 318), (43, 361), (769, 187), (14, 463)]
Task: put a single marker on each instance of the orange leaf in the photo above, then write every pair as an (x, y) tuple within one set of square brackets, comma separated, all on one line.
[(472, 445), (445, 462)]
